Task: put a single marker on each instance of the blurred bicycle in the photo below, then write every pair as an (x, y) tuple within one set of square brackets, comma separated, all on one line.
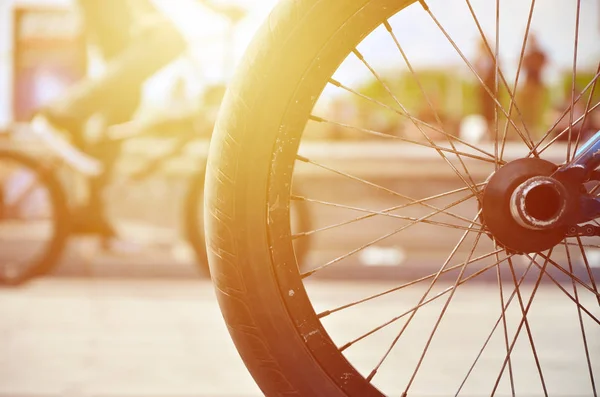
[(36, 219), (136, 44)]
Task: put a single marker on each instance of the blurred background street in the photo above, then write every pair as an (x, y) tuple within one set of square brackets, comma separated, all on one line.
[(130, 337), (129, 310)]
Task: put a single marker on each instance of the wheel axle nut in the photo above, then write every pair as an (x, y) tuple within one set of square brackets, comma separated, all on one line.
[(539, 203)]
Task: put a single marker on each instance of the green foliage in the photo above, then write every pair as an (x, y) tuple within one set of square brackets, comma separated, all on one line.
[(582, 79), (456, 95)]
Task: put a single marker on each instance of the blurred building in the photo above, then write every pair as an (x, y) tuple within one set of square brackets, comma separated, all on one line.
[(49, 32)]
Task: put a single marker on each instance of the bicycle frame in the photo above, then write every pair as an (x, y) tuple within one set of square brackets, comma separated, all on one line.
[(588, 156), (581, 170), (153, 165)]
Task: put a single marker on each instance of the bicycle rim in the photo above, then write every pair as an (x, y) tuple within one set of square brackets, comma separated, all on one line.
[(512, 344)]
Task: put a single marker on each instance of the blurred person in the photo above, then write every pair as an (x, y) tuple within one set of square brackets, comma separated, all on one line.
[(135, 40), (485, 66), (531, 101)]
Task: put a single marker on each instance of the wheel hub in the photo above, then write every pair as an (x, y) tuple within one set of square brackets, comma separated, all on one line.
[(524, 208)]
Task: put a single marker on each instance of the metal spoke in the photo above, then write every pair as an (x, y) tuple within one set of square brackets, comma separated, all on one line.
[(385, 236), (413, 309), (587, 267), (585, 245), (523, 319), (566, 130), (399, 138), (583, 335), (393, 320), (439, 320), (425, 278), (565, 291), (394, 208), (512, 103), (427, 99), (505, 328), (385, 86), (573, 276), (593, 191), (423, 123), (504, 81), (526, 140), (368, 183), (527, 328), (496, 85), (574, 78), (389, 215), (592, 83), (423, 298), (585, 113), (489, 337)]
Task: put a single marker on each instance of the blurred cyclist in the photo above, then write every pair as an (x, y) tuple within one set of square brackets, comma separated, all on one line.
[(135, 40)]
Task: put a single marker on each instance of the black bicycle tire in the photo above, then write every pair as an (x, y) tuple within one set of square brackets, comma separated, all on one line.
[(193, 223), (49, 258), (272, 344)]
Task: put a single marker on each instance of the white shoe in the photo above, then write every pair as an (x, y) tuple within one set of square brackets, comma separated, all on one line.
[(119, 247), (56, 142)]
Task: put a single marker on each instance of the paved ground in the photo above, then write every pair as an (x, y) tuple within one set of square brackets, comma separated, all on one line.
[(117, 338), (133, 338)]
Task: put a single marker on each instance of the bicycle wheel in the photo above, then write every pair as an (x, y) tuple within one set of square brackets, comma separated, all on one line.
[(33, 220), (443, 333), (193, 221)]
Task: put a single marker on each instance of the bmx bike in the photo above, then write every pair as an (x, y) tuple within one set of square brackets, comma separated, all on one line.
[(522, 211), (33, 241)]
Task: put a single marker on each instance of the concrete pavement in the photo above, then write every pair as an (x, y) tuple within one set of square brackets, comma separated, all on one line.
[(154, 338), (117, 338)]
